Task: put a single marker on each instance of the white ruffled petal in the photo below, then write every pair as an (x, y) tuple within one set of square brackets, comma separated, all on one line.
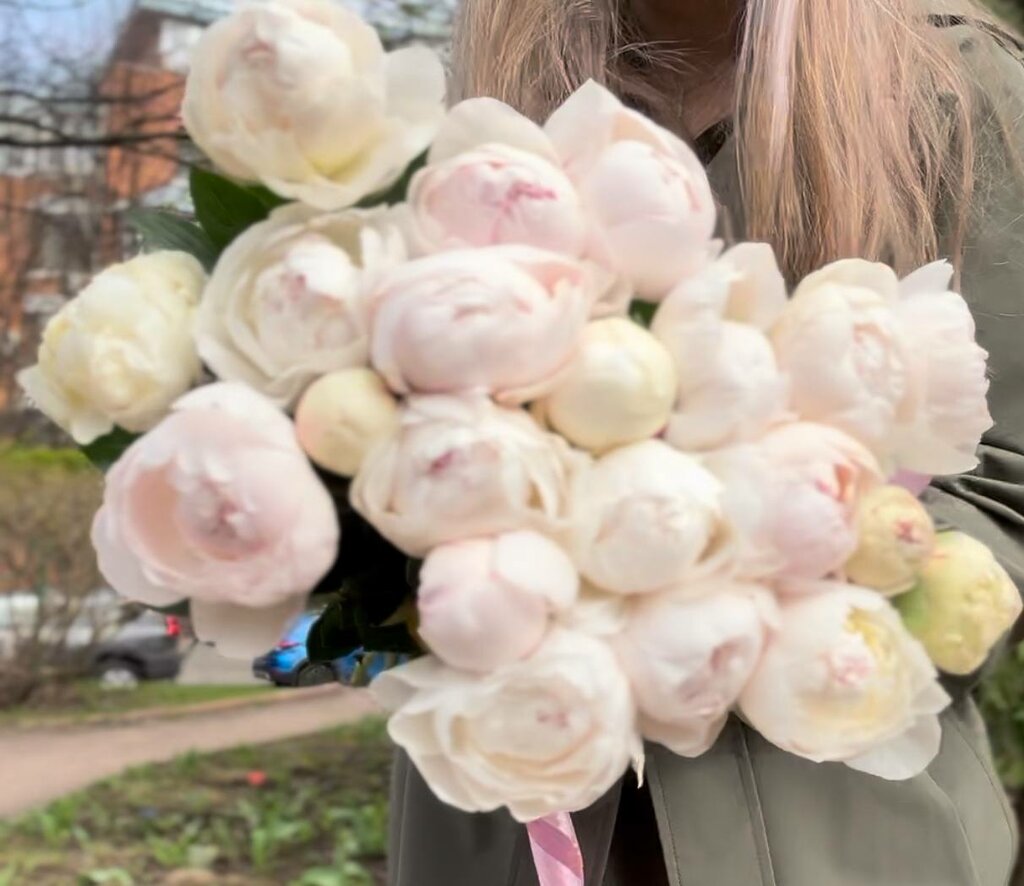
[(242, 632), (904, 757), (481, 121)]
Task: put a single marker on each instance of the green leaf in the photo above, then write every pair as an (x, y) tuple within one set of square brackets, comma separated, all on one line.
[(333, 635), (393, 638), (178, 610), (162, 229), (225, 208), (109, 448), (267, 197), (643, 312), (396, 192)]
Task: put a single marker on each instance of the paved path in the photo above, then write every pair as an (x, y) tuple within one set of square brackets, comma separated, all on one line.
[(37, 766)]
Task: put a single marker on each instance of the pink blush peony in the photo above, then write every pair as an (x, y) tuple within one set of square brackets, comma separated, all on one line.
[(218, 505)]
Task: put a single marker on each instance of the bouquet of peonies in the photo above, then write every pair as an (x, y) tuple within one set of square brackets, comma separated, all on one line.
[(495, 395)]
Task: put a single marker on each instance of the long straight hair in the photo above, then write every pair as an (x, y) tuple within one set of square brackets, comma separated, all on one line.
[(854, 119)]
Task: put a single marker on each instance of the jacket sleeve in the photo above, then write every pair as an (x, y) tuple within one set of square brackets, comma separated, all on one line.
[(988, 503)]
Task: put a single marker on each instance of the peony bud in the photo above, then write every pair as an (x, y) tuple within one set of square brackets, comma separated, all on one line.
[(342, 415), (487, 602), (896, 536), (646, 518), (962, 604), (620, 389)]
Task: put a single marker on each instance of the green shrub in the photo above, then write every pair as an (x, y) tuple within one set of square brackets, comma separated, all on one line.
[(1001, 698), (41, 459)]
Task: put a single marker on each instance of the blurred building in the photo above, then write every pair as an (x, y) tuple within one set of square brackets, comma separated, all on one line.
[(92, 150), (96, 145)]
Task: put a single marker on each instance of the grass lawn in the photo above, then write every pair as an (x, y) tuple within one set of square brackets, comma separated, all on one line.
[(306, 812), (87, 700)]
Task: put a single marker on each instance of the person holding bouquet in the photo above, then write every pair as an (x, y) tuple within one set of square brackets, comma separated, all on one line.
[(651, 447), (882, 129)]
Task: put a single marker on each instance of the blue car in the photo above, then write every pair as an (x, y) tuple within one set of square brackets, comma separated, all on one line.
[(288, 664)]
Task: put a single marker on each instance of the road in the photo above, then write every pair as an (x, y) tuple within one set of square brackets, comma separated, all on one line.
[(37, 766)]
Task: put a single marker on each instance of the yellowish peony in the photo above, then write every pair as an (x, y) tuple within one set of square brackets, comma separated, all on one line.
[(843, 681), (342, 415), (122, 351), (962, 605), (896, 537), (620, 389)]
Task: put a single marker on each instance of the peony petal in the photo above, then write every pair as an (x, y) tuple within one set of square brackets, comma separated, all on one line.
[(242, 632), (904, 757), (479, 748), (533, 563), (242, 402), (416, 85), (874, 276), (758, 296), (122, 569), (688, 739), (936, 277), (480, 121), (584, 125)]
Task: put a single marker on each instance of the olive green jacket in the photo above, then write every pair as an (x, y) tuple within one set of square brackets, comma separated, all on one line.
[(746, 813)]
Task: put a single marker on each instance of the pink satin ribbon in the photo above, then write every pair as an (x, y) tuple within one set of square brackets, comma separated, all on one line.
[(556, 851)]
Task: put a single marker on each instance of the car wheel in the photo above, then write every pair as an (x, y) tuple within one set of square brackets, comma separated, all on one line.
[(314, 674), (119, 675)]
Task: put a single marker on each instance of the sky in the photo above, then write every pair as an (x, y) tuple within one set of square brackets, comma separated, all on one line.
[(74, 29), (87, 28)]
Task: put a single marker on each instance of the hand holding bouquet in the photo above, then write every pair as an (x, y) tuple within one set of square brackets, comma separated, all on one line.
[(494, 393)]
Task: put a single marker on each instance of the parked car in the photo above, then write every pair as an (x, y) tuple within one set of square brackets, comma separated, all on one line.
[(120, 645), (288, 664), (145, 648)]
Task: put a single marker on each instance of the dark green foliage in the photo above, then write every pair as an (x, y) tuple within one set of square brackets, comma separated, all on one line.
[(109, 448), (369, 583), (164, 229), (224, 209)]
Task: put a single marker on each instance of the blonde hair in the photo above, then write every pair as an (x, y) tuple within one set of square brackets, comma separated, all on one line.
[(855, 119)]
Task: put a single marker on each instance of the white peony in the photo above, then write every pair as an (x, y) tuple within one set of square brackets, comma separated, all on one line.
[(892, 363), (895, 537), (121, 352), (463, 467), (286, 302), (496, 194), (487, 602), (811, 480), (843, 681), (643, 186), (645, 518), (651, 210), (548, 734), (950, 372), (300, 95), (844, 353), (503, 320), (689, 659), (730, 386)]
